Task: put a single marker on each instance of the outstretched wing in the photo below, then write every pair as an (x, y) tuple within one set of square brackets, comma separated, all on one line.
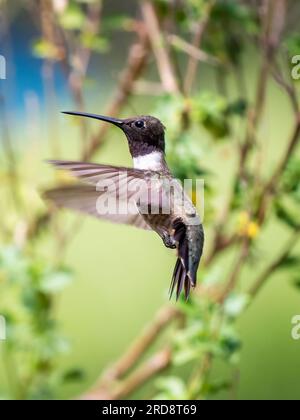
[(84, 196)]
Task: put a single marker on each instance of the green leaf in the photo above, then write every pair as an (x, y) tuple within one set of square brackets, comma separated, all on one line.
[(239, 192), (184, 161), (35, 301), (73, 375), (213, 388), (192, 332), (14, 265), (293, 44), (213, 276), (229, 343), (55, 282), (285, 215), (290, 261), (95, 42), (181, 357), (227, 33), (238, 107), (72, 18), (296, 282), (291, 177), (173, 387), (210, 110), (235, 304), (120, 22), (44, 49)]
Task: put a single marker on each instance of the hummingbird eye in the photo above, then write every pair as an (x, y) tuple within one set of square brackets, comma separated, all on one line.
[(139, 124)]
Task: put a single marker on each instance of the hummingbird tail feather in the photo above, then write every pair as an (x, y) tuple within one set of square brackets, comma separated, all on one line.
[(181, 280), (182, 277), (175, 276)]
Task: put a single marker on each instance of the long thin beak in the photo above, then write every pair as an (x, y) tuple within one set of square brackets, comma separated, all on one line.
[(115, 121)]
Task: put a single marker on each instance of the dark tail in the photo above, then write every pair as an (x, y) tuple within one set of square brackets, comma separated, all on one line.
[(190, 239)]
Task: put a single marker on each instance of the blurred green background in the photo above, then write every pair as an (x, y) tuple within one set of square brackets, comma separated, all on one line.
[(121, 274)]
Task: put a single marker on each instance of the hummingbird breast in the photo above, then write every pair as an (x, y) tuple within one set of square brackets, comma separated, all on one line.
[(153, 161)]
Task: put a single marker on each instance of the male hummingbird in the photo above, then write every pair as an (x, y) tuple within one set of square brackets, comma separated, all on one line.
[(154, 207)]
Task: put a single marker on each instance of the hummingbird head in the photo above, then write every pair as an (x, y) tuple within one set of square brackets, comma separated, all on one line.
[(145, 134)]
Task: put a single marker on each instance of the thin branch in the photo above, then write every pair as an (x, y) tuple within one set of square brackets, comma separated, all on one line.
[(164, 64), (270, 188), (136, 63), (107, 382), (190, 49), (273, 21), (293, 143), (262, 278), (145, 87), (200, 376), (196, 42), (155, 364), (220, 243), (289, 88), (81, 56), (234, 276), (269, 43), (141, 344)]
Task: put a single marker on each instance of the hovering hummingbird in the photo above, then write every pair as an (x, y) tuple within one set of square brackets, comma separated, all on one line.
[(177, 224)]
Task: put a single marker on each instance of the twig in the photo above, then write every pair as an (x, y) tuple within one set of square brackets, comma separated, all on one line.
[(269, 43), (271, 186), (286, 158), (164, 65), (107, 381), (200, 376), (136, 63), (196, 42), (261, 280), (158, 362), (81, 56), (273, 23), (220, 243), (289, 88), (192, 50), (136, 350), (234, 276), (145, 87)]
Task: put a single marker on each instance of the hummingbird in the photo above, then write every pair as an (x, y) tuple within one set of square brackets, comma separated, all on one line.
[(178, 224)]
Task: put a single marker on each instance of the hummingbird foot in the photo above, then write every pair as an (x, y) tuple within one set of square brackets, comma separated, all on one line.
[(169, 241)]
